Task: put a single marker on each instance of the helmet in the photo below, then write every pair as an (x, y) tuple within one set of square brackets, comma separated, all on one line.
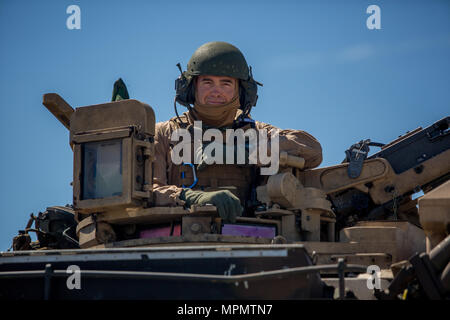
[(217, 59)]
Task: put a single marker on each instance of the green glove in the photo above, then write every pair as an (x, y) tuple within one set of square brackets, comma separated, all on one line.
[(228, 205), (120, 91)]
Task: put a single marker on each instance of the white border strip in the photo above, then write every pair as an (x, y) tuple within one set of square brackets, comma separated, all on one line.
[(151, 256)]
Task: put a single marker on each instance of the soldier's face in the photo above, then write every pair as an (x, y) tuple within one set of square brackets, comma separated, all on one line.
[(215, 90)]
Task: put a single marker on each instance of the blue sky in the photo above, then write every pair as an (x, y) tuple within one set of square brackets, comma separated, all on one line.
[(323, 72)]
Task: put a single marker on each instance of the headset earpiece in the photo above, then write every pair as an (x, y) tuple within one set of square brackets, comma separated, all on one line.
[(183, 90)]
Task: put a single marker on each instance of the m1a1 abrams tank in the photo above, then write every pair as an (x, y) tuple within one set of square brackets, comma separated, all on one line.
[(347, 231)]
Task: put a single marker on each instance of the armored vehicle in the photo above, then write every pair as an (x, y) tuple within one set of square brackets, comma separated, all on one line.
[(348, 231)]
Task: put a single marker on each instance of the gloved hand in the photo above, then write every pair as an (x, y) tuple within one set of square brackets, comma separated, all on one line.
[(228, 205)]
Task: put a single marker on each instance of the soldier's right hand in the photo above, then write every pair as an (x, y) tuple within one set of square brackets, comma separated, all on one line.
[(227, 204)]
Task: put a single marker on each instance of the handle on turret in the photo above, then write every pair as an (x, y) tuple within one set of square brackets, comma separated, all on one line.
[(58, 107), (286, 160)]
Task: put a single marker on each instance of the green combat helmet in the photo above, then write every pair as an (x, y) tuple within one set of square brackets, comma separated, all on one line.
[(218, 59)]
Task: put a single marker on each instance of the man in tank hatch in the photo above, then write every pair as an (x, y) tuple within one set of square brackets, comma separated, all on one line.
[(219, 91)]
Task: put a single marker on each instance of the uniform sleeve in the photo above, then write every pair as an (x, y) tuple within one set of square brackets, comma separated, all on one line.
[(164, 193), (297, 143)]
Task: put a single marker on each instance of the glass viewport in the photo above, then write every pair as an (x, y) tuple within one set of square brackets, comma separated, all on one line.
[(102, 169)]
